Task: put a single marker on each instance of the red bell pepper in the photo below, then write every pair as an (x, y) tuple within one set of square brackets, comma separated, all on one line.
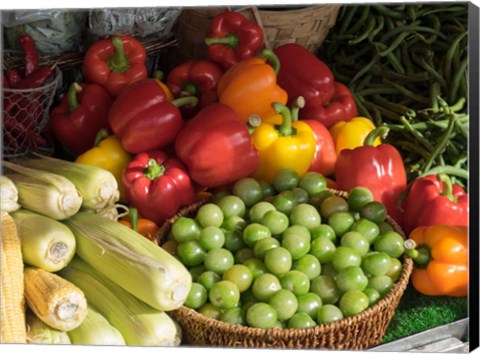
[(378, 168), (115, 62), (433, 200), (197, 78), (304, 74), (341, 107), (233, 38), (143, 118), (217, 147), (325, 155), (82, 112), (158, 186)]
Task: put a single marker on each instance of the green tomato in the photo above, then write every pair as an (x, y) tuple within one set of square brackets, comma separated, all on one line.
[(341, 222), (372, 294), (210, 310), (367, 228), (224, 294), (232, 205), (262, 246), (256, 266), (351, 278), (185, 229), (329, 269), (374, 211), (323, 249), (329, 313), (359, 197), (276, 221), (376, 263), (297, 230), (305, 215), (313, 183), (265, 286), (309, 265), (240, 275), (234, 240), (345, 257), (261, 315), (208, 278), (324, 230), (301, 320), (382, 283), (234, 315), (196, 297), (384, 227), (390, 242), (211, 237), (297, 245), (285, 179), (234, 223), (353, 302), (395, 269), (258, 210), (357, 241), (249, 190), (317, 199), (285, 304), (278, 260), (309, 303), (325, 287), (191, 253), (301, 194), (285, 202), (196, 271), (218, 260), (209, 214), (267, 189), (241, 255), (295, 281), (332, 204), (254, 232)]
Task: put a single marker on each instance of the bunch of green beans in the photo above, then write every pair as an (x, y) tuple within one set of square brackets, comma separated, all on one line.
[(406, 66)]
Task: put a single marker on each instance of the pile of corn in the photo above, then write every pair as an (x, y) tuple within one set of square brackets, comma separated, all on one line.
[(73, 276)]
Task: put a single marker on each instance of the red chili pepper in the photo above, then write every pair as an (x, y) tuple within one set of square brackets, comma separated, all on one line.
[(233, 38), (197, 78), (341, 107), (143, 118), (35, 79), (325, 155), (378, 168), (82, 112), (115, 62), (30, 53), (157, 186), (432, 200), (304, 74), (217, 147), (13, 77)]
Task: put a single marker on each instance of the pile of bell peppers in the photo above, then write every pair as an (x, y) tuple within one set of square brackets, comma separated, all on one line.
[(243, 111)]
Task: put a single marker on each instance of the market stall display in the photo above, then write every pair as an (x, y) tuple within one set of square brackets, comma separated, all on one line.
[(261, 177)]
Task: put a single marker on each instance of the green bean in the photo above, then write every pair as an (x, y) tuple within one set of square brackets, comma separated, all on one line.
[(359, 100), (420, 60), (394, 61), (411, 12), (385, 112), (448, 170), (450, 53), (361, 20), (409, 93), (434, 93), (366, 68), (365, 34), (380, 21), (349, 13), (394, 44), (391, 105), (456, 80), (444, 9), (413, 147), (378, 90), (389, 12), (418, 136), (411, 28)]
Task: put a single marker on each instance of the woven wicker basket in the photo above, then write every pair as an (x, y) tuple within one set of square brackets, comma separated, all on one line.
[(362, 331), (305, 25)]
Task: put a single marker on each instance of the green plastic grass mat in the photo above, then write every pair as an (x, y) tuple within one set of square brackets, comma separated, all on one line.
[(417, 313)]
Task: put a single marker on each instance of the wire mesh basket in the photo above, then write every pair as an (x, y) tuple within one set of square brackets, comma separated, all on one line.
[(26, 115)]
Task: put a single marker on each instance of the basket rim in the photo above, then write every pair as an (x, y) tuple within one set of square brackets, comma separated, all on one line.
[(393, 295)]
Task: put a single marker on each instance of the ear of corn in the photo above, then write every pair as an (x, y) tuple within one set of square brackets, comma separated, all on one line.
[(54, 300), (9, 192), (139, 323), (44, 192), (131, 261), (46, 243), (98, 187), (96, 330), (38, 332), (12, 309)]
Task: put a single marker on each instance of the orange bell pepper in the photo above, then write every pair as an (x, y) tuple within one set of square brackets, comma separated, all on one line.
[(250, 86), (145, 227), (440, 254)]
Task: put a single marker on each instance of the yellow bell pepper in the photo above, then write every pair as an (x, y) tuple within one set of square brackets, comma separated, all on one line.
[(282, 143), (351, 134), (108, 154)]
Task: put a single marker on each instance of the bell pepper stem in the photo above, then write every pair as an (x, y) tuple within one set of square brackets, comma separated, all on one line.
[(447, 187), (158, 75), (231, 41), (285, 129), (298, 104), (381, 131), (421, 255), (133, 216), (101, 135), (153, 170), (253, 122), (190, 89), (73, 103), (187, 100), (118, 62), (270, 56)]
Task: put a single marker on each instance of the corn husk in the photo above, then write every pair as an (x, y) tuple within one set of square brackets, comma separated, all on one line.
[(8, 195), (38, 332)]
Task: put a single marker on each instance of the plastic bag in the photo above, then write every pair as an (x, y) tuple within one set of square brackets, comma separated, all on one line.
[(54, 31), (140, 22)]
